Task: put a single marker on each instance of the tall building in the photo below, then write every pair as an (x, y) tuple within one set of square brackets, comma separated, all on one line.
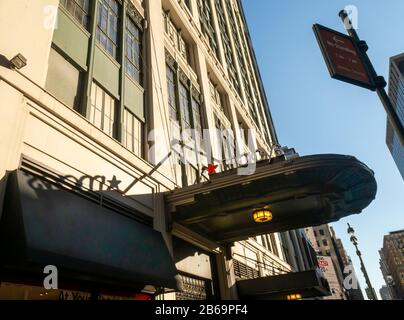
[(346, 266), (321, 239), (335, 262), (138, 158), (396, 94), (385, 293), (392, 263)]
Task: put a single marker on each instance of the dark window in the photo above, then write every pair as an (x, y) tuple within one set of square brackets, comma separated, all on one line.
[(322, 232), (243, 271), (107, 25), (315, 233), (133, 51), (171, 94), (325, 242), (227, 141), (205, 15), (196, 111), (318, 244), (79, 9), (181, 103), (228, 51), (63, 80), (184, 107)]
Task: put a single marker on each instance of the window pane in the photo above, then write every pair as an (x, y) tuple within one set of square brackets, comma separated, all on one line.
[(133, 51), (102, 111), (134, 133), (107, 31)]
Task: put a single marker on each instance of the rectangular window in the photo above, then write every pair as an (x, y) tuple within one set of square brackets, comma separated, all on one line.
[(79, 9), (227, 141), (228, 50), (133, 51), (132, 133), (273, 244), (171, 94), (322, 232), (206, 21), (325, 243), (196, 111), (107, 26), (63, 80), (184, 107), (268, 242), (102, 110)]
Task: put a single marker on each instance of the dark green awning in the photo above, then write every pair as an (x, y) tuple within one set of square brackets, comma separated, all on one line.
[(43, 224), (301, 192), (307, 284)]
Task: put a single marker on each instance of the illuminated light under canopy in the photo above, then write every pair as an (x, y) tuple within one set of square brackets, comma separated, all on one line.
[(296, 296), (262, 215), (322, 189)]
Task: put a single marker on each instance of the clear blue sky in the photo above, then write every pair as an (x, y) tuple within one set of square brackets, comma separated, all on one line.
[(316, 114)]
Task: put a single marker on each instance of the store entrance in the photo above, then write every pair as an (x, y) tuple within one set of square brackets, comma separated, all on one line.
[(198, 271)]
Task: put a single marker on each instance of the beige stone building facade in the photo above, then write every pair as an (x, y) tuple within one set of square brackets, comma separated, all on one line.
[(106, 86), (139, 160)]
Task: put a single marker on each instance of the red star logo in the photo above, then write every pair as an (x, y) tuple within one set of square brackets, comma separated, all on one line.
[(212, 169)]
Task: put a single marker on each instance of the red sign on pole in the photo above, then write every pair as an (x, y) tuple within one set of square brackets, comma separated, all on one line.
[(343, 57)]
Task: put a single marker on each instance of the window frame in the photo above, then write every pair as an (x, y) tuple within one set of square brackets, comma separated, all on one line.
[(94, 108), (75, 5), (137, 141), (135, 41), (106, 4)]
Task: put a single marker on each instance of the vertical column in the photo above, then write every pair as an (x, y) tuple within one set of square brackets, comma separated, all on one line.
[(227, 278), (122, 42), (292, 251), (88, 78), (236, 127), (247, 62), (279, 246), (298, 249), (194, 10), (205, 92), (157, 96), (12, 127), (233, 48), (217, 32)]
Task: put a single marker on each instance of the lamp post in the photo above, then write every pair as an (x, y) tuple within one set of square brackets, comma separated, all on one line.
[(370, 291), (379, 81)]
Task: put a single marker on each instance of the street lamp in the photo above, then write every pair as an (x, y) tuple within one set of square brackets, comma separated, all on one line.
[(370, 291)]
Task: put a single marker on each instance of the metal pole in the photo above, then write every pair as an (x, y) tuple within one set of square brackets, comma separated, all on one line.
[(365, 273), (354, 241), (379, 81)]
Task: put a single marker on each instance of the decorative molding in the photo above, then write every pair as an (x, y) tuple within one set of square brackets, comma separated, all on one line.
[(170, 60), (135, 15)]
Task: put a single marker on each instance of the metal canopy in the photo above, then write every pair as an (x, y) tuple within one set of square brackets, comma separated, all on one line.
[(308, 284), (301, 192)]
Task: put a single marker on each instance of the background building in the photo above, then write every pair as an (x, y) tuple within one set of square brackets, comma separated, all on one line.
[(113, 114), (385, 293), (334, 260), (396, 93), (392, 263), (87, 122)]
